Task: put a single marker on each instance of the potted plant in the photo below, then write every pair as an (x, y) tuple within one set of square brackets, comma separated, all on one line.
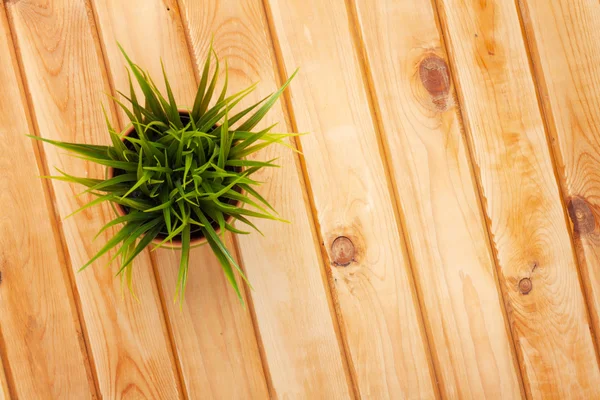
[(178, 177)]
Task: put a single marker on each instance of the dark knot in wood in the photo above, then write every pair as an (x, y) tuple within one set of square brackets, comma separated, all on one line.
[(525, 285), (435, 77), (342, 251), (581, 216)]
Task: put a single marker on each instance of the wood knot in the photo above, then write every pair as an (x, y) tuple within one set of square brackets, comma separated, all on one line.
[(581, 216), (342, 251), (525, 286), (435, 77)]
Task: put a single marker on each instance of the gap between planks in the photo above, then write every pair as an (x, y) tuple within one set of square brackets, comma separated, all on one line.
[(374, 104), (56, 223), (475, 174), (523, 381), (332, 299), (444, 28), (6, 380), (236, 247), (259, 341), (171, 43), (548, 120), (102, 55), (134, 325), (305, 261), (365, 66)]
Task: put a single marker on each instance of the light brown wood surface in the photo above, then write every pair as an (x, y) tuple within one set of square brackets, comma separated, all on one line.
[(443, 237), (4, 395), (66, 81), (289, 288), (538, 271), (214, 336), (36, 302), (381, 323), (421, 126), (565, 46)]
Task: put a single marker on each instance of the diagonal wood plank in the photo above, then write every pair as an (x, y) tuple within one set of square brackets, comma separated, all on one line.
[(538, 272), (217, 347), (4, 395), (290, 300), (65, 79), (455, 269), (37, 310), (566, 48), (355, 209), (213, 334)]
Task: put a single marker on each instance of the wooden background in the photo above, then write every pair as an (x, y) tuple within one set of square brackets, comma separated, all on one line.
[(444, 241)]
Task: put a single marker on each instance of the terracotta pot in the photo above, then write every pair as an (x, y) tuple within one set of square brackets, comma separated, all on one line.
[(197, 238)]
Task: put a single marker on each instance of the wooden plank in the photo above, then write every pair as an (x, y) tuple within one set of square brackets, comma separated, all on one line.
[(4, 391), (213, 334), (290, 300), (216, 345), (66, 81), (355, 209), (538, 272), (430, 163), (565, 43), (41, 337)]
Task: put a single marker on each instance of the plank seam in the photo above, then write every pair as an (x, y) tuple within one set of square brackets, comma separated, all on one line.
[(5, 368), (187, 33), (326, 275), (236, 248), (369, 86), (102, 55), (257, 335), (50, 199), (5, 371), (550, 129), (4, 389), (174, 354), (446, 43)]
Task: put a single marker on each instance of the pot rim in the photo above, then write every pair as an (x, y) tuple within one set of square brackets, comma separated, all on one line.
[(175, 243)]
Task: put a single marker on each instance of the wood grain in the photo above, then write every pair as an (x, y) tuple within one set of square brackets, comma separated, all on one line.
[(213, 333), (538, 272), (565, 43), (290, 299), (389, 219), (430, 163), (355, 209), (66, 81), (37, 311), (4, 391)]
